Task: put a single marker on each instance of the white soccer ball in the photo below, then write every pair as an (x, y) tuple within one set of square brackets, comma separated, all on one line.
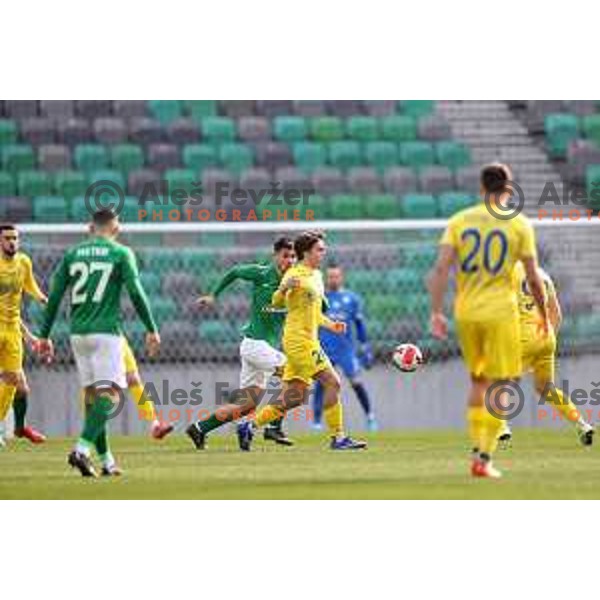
[(407, 358)]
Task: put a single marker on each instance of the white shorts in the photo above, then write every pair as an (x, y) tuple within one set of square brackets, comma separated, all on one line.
[(99, 358), (259, 361)]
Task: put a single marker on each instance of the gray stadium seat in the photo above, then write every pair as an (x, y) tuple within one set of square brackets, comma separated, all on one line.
[(256, 179), (21, 109), (57, 109), (254, 129), (310, 108), (54, 157), (183, 131), (90, 109), (180, 284), (74, 131), (363, 180), (274, 108), (380, 108), (163, 156), (468, 180), (211, 177), (399, 180), (139, 178), (237, 108), (581, 108), (144, 130), (110, 130), (38, 130), (434, 128), (292, 178), (18, 209), (344, 108), (328, 181), (272, 155), (129, 108), (435, 180)]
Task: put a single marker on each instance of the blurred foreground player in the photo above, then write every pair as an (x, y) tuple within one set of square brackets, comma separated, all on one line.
[(485, 250), (346, 306), (94, 272)]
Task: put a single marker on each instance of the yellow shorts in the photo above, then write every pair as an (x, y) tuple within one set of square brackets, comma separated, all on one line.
[(11, 350), (305, 362), (491, 349), (539, 357), (128, 357)]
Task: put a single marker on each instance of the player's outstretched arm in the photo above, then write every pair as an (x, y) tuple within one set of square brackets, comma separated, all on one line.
[(437, 284), (57, 291), (250, 272), (31, 286), (554, 309)]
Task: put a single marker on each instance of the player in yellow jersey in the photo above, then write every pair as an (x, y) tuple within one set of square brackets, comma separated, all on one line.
[(539, 355), (302, 293), (143, 403), (484, 249), (16, 277)]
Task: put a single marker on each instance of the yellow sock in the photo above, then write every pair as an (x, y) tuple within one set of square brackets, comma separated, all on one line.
[(268, 414), (475, 424), (563, 405), (334, 417), (7, 395), (490, 428), (143, 403)]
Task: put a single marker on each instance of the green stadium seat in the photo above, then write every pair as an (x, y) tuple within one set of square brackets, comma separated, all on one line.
[(126, 157), (326, 129), (236, 157), (381, 155), (420, 256), (78, 209), (164, 308), (419, 206), (70, 184), (218, 129), (346, 206), (592, 175), (453, 155), (151, 281), (217, 331), (309, 156), (50, 209), (452, 202), (345, 154), (199, 157), (17, 157), (130, 211), (7, 184), (382, 206), (560, 130), (165, 111), (417, 108), (34, 183), (417, 154), (180, 179), (399, 128), (8, 132), (219, 240), (90, 157), (112, 175), (320, 207), (289, 129), (363, 129), (199, 109), (591, 127)]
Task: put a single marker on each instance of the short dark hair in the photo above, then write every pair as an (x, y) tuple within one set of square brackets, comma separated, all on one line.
[(494, 178), (283, 243), (7, 227), (103, 217), (305, 241), (333, 264)]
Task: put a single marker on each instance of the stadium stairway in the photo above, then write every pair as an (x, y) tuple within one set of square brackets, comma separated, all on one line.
[(494, 133)]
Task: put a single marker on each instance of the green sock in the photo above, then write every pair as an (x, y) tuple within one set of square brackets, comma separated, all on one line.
[(213, 422), (277, 424), (96, 417), (20, 409)]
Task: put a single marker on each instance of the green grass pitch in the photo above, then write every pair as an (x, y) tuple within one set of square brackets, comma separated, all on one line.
[(428, 464)]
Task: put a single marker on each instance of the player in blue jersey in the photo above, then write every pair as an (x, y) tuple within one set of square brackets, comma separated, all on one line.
[(342, 349)]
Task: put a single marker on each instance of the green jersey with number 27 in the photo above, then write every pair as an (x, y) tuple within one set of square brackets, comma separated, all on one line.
[(94, 273)]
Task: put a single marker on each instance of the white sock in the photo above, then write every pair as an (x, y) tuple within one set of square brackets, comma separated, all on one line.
[(108, 460), (82, 447)]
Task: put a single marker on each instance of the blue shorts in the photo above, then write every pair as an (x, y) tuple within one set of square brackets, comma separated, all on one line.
[(347, 362)]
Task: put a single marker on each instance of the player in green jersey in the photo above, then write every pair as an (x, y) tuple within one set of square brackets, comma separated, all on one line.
[(259, 356), (95, 272)]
